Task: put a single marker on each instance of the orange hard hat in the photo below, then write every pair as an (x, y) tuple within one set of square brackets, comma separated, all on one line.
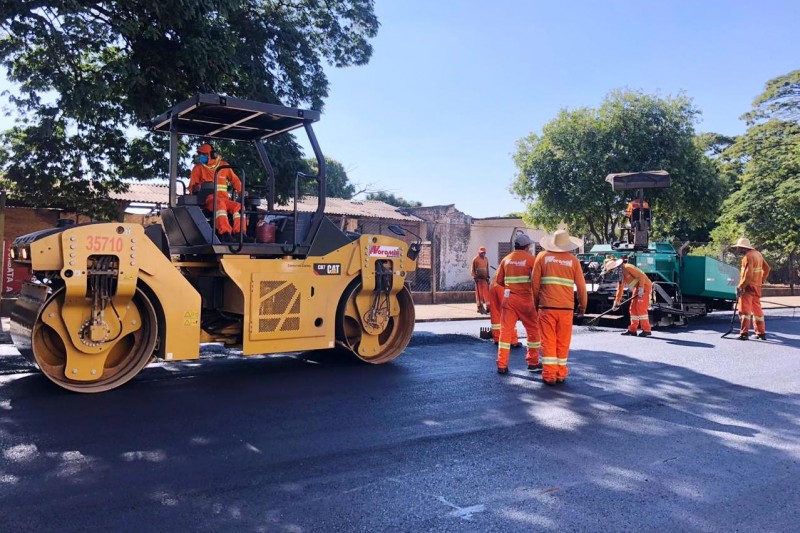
[(482, 249), (205, 148)]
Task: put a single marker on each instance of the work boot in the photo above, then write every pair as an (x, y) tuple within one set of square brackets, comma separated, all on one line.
[(502, 370), (644, 334), (225, 237), (535, 368), (517, 345), (744, 337), (548, 382), (762, 336), (628, 333), (561, 380)]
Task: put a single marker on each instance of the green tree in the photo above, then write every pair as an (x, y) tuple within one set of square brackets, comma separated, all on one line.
[(765, 206), (391, 199), (89, 72), (561, 172), (336, 180)]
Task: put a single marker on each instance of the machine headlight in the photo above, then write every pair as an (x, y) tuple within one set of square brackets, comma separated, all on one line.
[(24, 253), (12, 253)]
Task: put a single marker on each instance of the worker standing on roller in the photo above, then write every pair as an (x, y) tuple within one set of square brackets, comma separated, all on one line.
[(640, 286), (514, 275), (753, 274), (480, 273), (556, 274)]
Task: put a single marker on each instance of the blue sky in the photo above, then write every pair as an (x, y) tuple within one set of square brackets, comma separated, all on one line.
[(453, 84)]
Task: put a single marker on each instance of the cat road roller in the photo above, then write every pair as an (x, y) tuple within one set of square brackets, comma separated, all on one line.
[(105, 298)]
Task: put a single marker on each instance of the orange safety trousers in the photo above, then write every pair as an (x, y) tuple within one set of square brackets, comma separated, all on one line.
[(638, 311), (495, 310), (556, 325), (750, 309), (481, 292), (517, 307), (224, 206)]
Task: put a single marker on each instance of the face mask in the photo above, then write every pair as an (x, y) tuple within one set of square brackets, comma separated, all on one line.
[(204, 159)]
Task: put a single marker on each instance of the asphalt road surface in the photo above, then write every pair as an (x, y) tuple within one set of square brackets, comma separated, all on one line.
[(684, 431)]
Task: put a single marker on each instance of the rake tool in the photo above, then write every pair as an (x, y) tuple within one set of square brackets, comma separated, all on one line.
[(592, 323), (733, 317)]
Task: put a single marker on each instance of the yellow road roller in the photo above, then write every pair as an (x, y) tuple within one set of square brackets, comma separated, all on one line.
[(107, 298)]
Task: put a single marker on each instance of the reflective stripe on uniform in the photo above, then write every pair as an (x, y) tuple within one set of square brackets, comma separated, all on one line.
[(221, 213), (640, 317), (496, 326), (549, 360), (221, 187), (758, 318), (236, 215), (633, 283), (503, 345), (555, 280), (534, 345), (518, 279), (562, 362)]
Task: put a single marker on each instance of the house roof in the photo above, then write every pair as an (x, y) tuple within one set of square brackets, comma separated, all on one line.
[(150, 193), (353, 208), (146, 193)]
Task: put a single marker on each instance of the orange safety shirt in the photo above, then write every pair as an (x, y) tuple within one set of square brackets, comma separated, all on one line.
[(754, 270), (480, 267), (632, 277), (634, 204), (555, 274), (514, 272), (205, 173)]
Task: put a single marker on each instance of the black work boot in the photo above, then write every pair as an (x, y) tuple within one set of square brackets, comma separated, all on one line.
[(535, 368), (762, 336), (628, 333), (744, 337)]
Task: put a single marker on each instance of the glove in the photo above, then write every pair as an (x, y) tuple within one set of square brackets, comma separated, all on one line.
[(739, 291), (579, 316), (615, 307), (640, 292)]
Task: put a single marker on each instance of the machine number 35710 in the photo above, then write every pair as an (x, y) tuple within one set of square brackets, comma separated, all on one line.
[(98, 243)]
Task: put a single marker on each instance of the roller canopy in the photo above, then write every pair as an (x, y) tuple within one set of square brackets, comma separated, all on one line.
[(654, 179), (214, 116)]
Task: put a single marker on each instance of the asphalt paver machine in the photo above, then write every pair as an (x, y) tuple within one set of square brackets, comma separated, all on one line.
[(684, 286), (106, 298)]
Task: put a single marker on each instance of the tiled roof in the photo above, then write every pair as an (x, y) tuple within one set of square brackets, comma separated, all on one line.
[(146, 193), (352, 208), (159, 194)]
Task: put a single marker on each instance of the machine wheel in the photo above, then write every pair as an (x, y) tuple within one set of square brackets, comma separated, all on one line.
[(391, 342), (127, 357)]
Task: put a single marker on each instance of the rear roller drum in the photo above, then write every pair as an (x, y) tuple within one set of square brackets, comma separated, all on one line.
[(380, 348), (128, 355)]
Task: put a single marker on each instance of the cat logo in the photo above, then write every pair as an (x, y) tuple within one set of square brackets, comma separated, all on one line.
[(327, 269)]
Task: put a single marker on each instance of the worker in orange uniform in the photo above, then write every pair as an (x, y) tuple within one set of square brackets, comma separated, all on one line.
[(753, 274), (641, 287), (556, 273), (636, 203), (495, 309), (514, 275), (203, 172), (480, 273)]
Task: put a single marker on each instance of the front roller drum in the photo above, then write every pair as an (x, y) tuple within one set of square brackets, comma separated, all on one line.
[(47, 348), (386, 345)]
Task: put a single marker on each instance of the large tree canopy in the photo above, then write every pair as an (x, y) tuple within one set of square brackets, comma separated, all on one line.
[(391, 199), (337, 183), (766, 205), (562, 171), (88, 72)]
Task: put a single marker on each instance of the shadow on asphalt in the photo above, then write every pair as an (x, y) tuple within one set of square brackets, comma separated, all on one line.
[(314, 410)]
